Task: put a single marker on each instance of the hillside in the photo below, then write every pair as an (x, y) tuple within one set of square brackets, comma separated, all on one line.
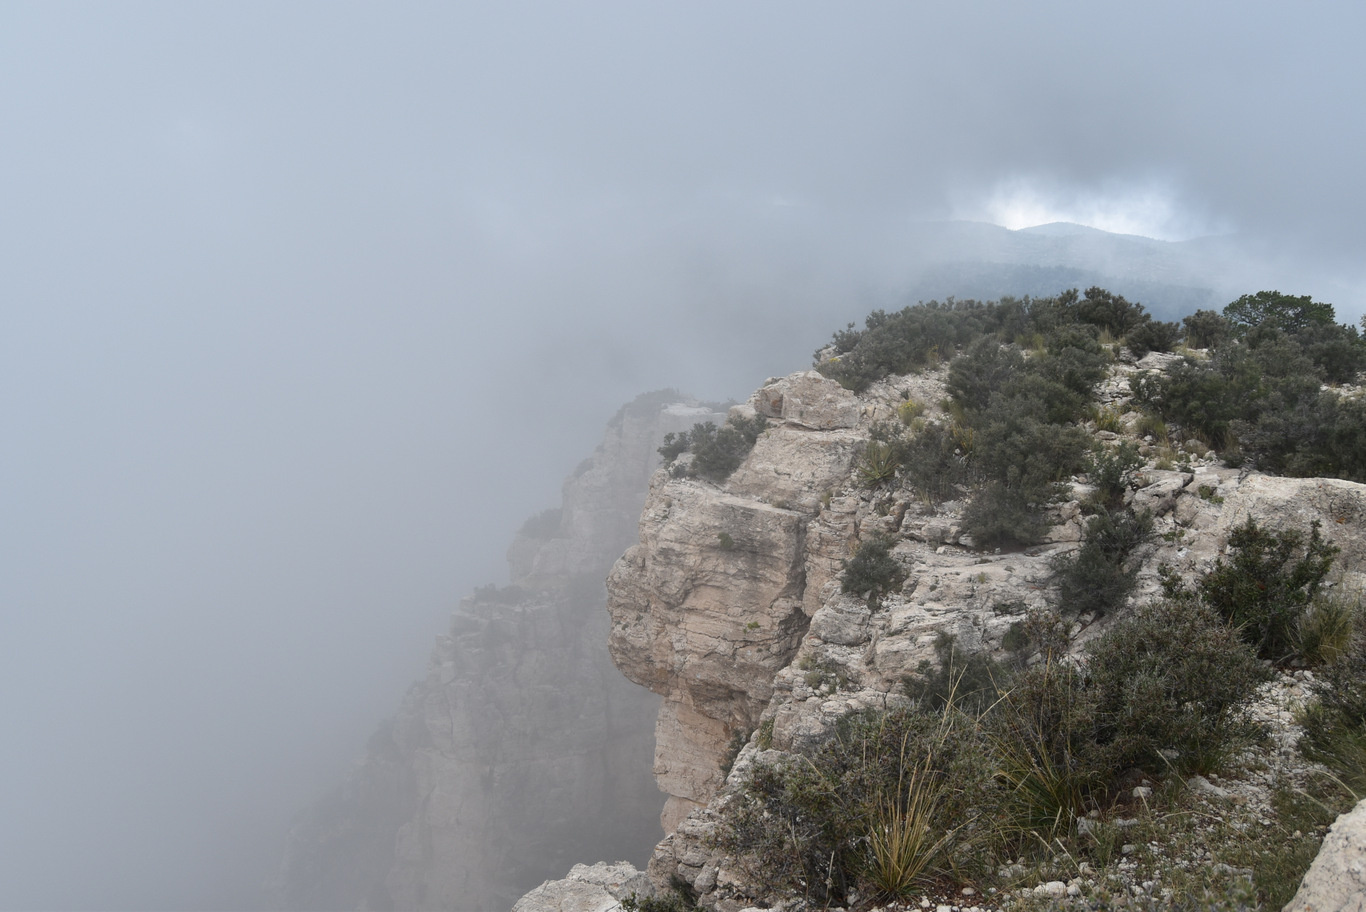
[(932, 588)]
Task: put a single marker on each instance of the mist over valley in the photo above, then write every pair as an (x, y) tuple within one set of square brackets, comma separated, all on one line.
[(309, 307)]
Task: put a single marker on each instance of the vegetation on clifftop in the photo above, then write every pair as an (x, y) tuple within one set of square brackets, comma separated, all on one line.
[(716, 452), (1021, 377), (991, 771), (1048, 765)]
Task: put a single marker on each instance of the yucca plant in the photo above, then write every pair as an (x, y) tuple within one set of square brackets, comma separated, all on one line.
[(878, 464), (904, 843), (1040, 733)]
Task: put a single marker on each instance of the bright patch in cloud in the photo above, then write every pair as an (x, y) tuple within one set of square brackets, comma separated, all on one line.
[(1150, 210)]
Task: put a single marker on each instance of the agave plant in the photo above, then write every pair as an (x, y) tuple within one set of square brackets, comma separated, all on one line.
[(878, 464)]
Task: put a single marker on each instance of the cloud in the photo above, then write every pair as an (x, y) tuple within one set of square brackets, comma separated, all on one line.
[(1150, 208)]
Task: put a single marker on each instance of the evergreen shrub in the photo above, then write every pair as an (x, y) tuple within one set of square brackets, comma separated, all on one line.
[(872, 569), (1098, 577), (1266, 585), (716, 452)]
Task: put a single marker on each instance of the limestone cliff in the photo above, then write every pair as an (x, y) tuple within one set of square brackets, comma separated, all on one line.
[(522, 751), (730, 605)]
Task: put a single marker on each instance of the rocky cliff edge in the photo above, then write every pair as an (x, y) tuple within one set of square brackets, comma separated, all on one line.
[(730, 605)]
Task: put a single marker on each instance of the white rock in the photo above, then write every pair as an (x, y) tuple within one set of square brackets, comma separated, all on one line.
[(1337, 878), (808, 399), (588, 888), (1201, 784), (1052, 888)]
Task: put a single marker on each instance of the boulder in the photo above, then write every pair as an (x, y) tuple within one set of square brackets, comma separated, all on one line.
[(588, 888), (808, 399), (1336, 881)]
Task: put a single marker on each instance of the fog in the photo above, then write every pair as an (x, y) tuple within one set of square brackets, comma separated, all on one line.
[(307, 306)]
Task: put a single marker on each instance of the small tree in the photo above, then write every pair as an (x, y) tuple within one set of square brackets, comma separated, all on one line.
[(1172, 676), (717, 452), (1205, 329), (1280, 311)]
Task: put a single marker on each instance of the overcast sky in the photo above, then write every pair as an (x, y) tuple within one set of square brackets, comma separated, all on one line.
[(307, 306)]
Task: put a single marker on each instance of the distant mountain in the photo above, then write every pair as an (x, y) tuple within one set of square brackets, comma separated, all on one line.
[(978, 260)]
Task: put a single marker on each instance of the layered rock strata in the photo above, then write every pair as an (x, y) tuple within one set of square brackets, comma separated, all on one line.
[(712, 602), (730, 605)]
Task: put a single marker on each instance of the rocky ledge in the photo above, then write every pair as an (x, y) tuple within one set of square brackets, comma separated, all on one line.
[(730, 605)]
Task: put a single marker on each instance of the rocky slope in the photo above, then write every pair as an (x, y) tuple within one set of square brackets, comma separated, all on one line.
[(730, 607), (522, 750)]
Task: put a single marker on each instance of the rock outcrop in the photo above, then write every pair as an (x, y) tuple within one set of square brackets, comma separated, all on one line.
[(1336, 881), (730, 605), (710, 605), (522, 750), (588, 888)]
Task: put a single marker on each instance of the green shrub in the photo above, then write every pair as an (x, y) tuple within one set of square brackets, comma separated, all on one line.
[(872, 569), (1001, 516), (676, 445), (970, 681), (935, 463), (680, 898), (1173, 677), (1171, 681), (1335, 722), (716, 456), (1018, 462), (717, 452), (1266, 585), (1152, 336), (904, 341), (983, 369), (1074, 359), (892, 799), (1011, 447), (738, 740), (1206, 329), (1098, 576), (1315, 436), (1261, 391), (822, 673), (1110, 470), (1110, 312), (1042, 632)]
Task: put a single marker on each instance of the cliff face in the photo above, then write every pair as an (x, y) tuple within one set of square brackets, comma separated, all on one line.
[(711, 603), (522, 750), (730, 605)]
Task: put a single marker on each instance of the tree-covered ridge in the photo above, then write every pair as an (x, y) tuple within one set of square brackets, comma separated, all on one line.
[(923, 334), (1254, 384), (1264, 394)]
